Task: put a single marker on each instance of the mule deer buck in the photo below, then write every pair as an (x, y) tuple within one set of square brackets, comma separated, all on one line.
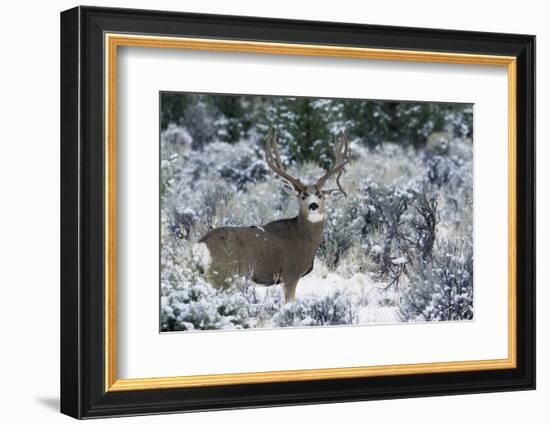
[(280, 252)]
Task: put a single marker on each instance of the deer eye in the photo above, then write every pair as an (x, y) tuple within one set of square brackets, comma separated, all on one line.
[(305, 195), (318, 194)]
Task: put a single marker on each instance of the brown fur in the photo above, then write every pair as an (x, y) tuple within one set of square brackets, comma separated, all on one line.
[(279, 252)]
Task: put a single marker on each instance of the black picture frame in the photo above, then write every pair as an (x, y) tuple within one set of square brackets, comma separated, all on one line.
[(83, 392)]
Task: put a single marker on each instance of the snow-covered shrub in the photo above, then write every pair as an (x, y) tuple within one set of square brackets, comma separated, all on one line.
[(181, 221), (460, 122), (199, 122), (423, 222), (344, 222), (385, 232), (176, 137), (334, 308), (447, 160), (240, 164), (441, 289), (188, 302)]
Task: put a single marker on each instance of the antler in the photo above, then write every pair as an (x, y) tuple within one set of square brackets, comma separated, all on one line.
[(341, 153), (274, 161)]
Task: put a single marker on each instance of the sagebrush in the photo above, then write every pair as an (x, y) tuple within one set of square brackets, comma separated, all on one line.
[(398, 247)]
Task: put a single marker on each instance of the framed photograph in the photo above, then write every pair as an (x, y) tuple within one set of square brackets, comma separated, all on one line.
[(261, 212)]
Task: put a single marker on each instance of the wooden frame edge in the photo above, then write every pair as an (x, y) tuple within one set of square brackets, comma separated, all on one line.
[(114, 40), (512, 212), (137, 384)]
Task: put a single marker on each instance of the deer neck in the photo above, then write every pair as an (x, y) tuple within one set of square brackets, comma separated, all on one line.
[(312, 231)]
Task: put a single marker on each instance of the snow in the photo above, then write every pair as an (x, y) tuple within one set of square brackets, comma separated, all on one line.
[(315, 217), (376, 305), (201, 253), (376, 249), (400, 260)]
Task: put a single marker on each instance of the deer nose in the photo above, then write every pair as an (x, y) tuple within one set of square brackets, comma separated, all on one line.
[(313, 206)]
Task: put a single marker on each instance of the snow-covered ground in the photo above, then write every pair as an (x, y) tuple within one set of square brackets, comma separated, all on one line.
[(375, 304)]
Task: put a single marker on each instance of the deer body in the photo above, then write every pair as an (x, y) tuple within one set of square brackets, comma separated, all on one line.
[(279, 252), (282, 251)]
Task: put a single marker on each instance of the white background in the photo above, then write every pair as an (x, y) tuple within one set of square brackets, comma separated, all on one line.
[(29, 225), (140, 344)]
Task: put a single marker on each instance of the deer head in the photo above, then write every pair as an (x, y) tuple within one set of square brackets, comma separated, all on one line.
[(311, 197)]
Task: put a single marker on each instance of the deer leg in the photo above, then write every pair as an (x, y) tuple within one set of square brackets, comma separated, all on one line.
[(289, 287)]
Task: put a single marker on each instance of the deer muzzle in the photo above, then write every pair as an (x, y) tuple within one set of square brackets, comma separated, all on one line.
[(313, 206)]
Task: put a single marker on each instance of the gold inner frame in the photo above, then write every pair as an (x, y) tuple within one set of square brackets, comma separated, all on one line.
[(113, 41)]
